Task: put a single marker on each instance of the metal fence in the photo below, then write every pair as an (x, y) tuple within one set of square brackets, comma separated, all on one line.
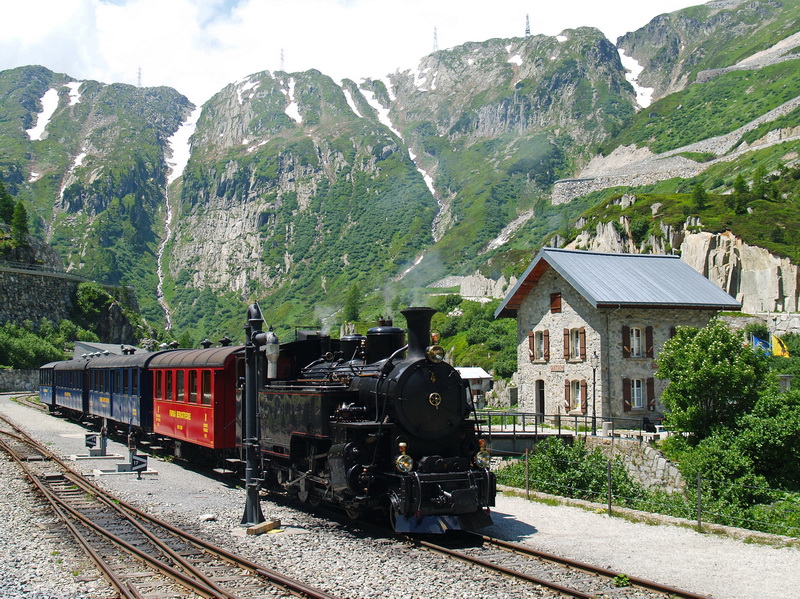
[(770, 510), (575, 424)]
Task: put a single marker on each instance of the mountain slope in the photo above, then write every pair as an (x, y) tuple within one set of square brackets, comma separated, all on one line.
[(94, 169), (674, 48)]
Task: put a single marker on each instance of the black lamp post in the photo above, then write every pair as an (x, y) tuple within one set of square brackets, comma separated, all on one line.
[(254, 338), (595, 362)]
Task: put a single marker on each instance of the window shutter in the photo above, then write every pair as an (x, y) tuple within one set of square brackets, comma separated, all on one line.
[(566, 344), (566, 395), (582, 333), (626, 341), (546, 336), (672, 332), (626, 395), (530, 345), (648, 339), (583, 396), (555, 302), (651, 394)]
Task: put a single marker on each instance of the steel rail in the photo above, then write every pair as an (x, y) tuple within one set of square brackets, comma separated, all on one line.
[(108, 574), (559, 588), (293, 586), (634, 580)]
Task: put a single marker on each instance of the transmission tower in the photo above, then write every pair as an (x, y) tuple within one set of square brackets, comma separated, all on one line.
[(283, 64), (139, 78), (435, 40), (527, 26)]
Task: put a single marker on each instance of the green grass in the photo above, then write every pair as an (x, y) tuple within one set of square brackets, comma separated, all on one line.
[(710, 109)]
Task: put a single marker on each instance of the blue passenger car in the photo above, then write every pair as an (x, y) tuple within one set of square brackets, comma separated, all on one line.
[(46, 384), (70, 385), (120, 389)]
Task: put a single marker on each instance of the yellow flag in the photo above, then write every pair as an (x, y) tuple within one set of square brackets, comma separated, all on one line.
[(779, 348)]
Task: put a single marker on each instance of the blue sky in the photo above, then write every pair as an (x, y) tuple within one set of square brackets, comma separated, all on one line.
[(199, 46)]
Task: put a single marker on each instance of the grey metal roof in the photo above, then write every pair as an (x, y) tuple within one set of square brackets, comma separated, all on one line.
[(645, 280)]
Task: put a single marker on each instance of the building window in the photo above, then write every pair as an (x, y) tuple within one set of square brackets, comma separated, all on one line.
[(575, 395), (575, 344), (555, 302), (539, 346), (637, 393), (636, 342)]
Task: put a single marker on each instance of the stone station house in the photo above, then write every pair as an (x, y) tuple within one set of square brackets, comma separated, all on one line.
[(590, 326)]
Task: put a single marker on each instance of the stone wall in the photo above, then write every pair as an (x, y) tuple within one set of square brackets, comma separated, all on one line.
[(35, 296), (644, 463), (19, 380)]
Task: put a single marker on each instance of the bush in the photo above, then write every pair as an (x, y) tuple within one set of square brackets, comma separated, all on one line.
[(572, 471)]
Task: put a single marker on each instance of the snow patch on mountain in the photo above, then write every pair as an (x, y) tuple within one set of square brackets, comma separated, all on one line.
[(292, 110), (516, 59), (68, 176), (349, 97), (49, 104), (644, 95), (506, 233), (180, 145), (383, 113), (74, 92), (245, 85)]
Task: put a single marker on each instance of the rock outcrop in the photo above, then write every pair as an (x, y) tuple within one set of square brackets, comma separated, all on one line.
[(761, 281)]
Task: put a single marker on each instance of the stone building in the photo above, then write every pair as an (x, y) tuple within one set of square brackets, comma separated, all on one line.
[(590, 325)]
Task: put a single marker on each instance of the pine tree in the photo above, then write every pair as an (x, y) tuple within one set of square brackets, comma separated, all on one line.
[(6, 205), (352, 305), (699, 197), (19, 226)]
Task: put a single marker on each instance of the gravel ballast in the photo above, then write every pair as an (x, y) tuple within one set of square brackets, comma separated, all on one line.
[(36, 563)]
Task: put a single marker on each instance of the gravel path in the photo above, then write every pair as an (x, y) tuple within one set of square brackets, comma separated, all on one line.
[(34, 563)]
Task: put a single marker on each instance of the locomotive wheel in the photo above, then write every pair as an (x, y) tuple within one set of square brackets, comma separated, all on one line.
[(313, 500), (353, 512), (303, 496)]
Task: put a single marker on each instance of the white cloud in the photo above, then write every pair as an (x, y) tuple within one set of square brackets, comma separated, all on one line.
[(199, 46)]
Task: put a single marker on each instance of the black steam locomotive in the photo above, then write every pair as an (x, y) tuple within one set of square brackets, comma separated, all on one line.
[(371, 424)]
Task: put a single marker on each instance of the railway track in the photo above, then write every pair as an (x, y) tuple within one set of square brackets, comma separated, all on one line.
[(141, 556), (566, 577)]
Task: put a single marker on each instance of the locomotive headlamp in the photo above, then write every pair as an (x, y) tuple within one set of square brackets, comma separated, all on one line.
[(404, 463), (435, 353), (483, 459)]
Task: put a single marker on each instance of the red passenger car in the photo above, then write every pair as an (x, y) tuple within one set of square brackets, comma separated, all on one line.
[(195, 395)]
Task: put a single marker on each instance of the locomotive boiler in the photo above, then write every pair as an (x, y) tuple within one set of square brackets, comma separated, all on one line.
[(372, 424)]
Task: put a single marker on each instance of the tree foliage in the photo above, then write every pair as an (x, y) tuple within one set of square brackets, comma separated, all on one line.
[(6, 205), (29, 346), (713, 378), (352, 304), (19, 225)]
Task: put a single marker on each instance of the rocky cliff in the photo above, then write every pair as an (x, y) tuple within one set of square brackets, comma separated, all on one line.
[(761, 281)]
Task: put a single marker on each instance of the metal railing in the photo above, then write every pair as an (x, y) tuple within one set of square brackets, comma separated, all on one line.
[(39, 269), (562, 424)]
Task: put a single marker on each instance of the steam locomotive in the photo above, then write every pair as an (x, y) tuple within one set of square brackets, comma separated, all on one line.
[(370, 423), (367, 423)]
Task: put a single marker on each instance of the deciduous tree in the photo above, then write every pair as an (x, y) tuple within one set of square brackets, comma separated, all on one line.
[(713, 378)]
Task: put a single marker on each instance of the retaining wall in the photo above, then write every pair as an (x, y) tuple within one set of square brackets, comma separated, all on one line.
[(19, 380), (642, 461)]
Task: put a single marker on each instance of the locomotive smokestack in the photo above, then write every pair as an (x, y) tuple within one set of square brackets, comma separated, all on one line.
[(419, 330)]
